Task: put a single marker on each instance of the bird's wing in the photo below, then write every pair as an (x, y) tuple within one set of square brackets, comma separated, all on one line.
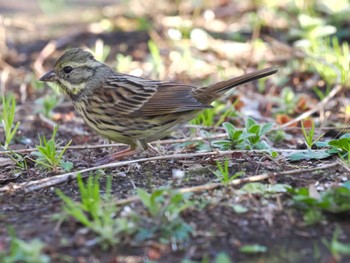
[(134, 96)]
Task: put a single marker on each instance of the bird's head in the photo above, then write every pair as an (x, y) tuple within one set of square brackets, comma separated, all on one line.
[(73, 71)]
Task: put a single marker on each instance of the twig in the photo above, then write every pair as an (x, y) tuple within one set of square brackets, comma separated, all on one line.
[(161, 142), (337, 88), (318, 106), (254, 178), (343, 164), (172, 141), (97, 146), (58, 179)]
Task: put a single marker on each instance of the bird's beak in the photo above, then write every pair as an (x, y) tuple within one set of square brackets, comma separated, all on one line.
[(49, 76)]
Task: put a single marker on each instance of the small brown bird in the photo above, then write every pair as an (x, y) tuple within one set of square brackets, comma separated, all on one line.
[(129, 109)]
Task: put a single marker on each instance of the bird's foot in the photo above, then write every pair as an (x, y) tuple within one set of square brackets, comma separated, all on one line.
[(116, 156)]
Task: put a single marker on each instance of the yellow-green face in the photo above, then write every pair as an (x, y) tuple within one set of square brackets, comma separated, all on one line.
[(72, 71)]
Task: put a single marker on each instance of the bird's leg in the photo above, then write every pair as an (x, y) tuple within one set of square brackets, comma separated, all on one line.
[(117, 156), (124, 153), (139, 146)]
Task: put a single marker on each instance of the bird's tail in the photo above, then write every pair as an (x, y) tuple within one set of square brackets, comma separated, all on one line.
[(215, 90)]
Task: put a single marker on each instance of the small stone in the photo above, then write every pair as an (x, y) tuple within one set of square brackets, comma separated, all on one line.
[(178, 174)]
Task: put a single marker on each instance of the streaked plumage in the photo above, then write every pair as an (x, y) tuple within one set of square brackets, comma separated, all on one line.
[(129, 109)]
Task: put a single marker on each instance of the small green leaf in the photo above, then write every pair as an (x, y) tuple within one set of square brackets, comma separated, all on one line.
[(249, 123), (239, 209), (266, 127), (308, 155), (274, 154), (342, 144), (259, 188), (222, 258), (67, 166), (251, 249)]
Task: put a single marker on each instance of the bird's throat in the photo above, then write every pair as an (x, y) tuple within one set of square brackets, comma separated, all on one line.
[(71, 90)]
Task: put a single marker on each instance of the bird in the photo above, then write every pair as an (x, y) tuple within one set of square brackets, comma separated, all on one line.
[(130, 109)]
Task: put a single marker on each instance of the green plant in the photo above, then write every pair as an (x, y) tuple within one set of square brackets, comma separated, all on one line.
[(287, 101), (48, 155), (8, 116), (7, 120), (277, 136), (251, 137), (252, 249), (311, 29), (101, 51), (144, 23), (334, 200), (97, 212), (223, 174), (331, 60), (336, 247), (36, 84), (48, 103), (309, 135), (320, 94), (340, 146), (257, 131), (24, 251), (156, 59), (163, 217), (19, 160), (265, 190), (207, 117), (235, 137), (182, 60), (123, 62), (52, 6), (221, 257)]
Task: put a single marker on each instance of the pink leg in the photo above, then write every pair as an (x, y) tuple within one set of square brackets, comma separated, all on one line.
[(123, 153), (116, 156)]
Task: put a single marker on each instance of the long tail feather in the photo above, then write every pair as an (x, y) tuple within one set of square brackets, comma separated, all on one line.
[(210, 93)]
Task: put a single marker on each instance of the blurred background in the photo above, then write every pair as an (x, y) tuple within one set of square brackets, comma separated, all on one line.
[(196, 42)]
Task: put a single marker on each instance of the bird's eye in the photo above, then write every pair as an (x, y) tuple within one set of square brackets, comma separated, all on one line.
[(67, 69)]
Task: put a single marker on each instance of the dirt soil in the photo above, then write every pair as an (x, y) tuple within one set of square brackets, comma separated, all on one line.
[(271, 220)]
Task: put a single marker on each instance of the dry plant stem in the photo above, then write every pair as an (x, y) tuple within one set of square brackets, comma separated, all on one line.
[(254, 178), (87, 147), (344, 165), (255, 36), (171, 141), (318, 107), (58, 179), (12, 70)]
